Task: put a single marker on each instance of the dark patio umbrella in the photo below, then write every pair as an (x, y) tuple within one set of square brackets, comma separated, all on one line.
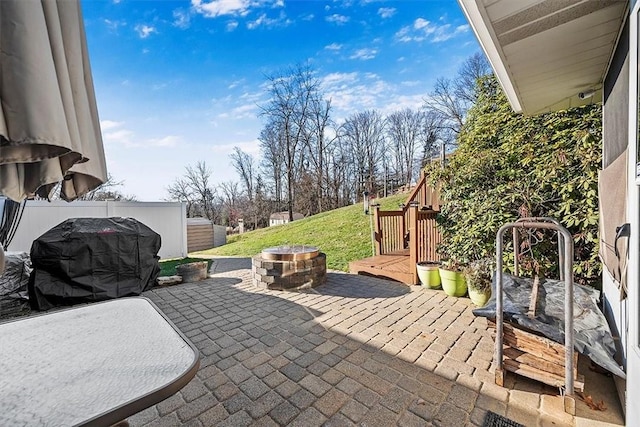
[(49, 127)]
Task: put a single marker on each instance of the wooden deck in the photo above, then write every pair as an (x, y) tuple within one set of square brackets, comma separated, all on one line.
[(404, 237), (390, 266)]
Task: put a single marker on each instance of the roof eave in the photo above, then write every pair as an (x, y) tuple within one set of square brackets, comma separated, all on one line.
[(491, 48)]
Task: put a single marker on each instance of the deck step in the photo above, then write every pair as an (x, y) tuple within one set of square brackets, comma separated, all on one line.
[(393, 267)]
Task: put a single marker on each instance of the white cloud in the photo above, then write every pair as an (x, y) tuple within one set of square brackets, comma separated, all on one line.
[(337, 19), (119, 136), (113, 26), (364, 54), (252, 97), (181, 19), (353, 92), (411, 83), (127, 138), (232, 25), (308, 17), (235, 84), (264, 20), (244, 111), (386, 12), (214, 8), (113, 133), (423, 29), (250, 147), (167, 141), (335, 79), (145, 31), (106, 125), (333, 46)]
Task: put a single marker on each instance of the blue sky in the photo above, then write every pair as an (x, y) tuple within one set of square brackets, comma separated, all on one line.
[(181, 81)]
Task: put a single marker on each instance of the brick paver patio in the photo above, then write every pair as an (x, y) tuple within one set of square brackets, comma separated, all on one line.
[(356, 351)]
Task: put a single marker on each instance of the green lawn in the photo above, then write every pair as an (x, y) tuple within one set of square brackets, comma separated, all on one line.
[(168, 267), (343, 234)]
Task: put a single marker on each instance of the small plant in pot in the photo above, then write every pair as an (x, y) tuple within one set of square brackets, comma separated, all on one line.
[(478, 275), (452, 278)]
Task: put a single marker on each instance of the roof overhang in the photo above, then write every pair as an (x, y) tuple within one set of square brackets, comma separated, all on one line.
[(546, 53)]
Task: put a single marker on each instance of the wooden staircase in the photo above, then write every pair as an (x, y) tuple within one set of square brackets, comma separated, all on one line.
[(404, 237)]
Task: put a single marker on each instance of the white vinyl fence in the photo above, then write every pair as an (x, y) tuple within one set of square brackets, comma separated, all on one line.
[(168, 219)]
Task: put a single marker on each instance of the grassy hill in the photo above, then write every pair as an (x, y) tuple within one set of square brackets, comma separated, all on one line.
[(343, 234)]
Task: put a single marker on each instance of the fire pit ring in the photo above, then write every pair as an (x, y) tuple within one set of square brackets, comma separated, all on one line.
[(289, 267), (290, 253)]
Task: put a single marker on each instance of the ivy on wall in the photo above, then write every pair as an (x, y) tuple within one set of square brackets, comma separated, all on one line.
[(509, 166)]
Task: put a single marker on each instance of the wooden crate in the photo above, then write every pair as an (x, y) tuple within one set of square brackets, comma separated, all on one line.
[(535, 357)]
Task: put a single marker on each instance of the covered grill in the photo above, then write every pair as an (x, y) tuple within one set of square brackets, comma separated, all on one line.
[(92, 259)]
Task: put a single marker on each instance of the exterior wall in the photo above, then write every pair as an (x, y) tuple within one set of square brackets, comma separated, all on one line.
[(202, 234), (165, 218), (280, 218), (219, 235), (615, 134)]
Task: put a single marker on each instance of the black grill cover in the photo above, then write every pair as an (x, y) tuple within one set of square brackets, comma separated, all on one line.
[(92, 259)]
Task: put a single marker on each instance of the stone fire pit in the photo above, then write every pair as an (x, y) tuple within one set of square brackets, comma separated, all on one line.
[(289, 267)]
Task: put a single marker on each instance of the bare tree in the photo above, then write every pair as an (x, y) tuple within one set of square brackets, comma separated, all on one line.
[(450, 109), (430, 137), (291, 94), (405, 130), (475, 67), (244, 165), (231, 202), (180, 190), (364, 135), (198, 177), (451, 98), (272, 149), (108, 191), (317, 142), (195, 188)]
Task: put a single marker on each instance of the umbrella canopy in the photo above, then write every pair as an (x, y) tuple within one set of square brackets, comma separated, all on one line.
[(49, 126)]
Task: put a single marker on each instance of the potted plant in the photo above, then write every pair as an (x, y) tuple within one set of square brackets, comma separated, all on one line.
[(429, 274), (453, 281), (478, 275)]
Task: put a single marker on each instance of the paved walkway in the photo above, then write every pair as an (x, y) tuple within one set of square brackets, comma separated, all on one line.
[(355, 351)]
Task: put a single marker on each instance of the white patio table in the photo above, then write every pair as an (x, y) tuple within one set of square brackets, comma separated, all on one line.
[(92, 365)]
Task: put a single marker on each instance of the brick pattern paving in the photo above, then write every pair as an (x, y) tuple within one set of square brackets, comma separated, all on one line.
[(355, 351)]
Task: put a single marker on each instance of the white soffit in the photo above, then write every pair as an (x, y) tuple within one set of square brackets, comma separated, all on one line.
[(545, 52)]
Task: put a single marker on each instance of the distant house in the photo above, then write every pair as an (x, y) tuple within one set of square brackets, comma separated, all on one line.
[(279, 218)]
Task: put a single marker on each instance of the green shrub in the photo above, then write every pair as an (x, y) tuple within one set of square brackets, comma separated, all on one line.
[(509, 166)]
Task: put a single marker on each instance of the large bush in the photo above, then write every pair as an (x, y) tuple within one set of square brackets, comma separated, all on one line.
[(509, 166)]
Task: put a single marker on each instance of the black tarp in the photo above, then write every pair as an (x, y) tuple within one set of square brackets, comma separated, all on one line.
[(592, 336), (92, 259)]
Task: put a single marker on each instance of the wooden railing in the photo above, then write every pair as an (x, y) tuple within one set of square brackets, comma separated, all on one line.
[(424, 237), (411, 228), (424, 195)]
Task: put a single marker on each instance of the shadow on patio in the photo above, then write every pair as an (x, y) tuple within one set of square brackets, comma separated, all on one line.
[(356, 351)]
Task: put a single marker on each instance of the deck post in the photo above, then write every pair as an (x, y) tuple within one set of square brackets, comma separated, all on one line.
[(377, 231), (413, 240)]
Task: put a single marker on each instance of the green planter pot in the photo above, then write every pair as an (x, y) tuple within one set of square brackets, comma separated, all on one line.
[(478, 298), (429, 274), (454, 283)]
